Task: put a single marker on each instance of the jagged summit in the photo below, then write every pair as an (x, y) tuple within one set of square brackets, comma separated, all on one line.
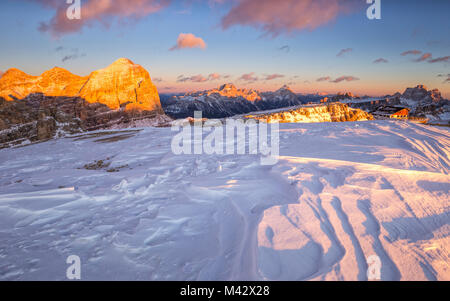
[(285, 88), (123, 84), (123, 61), (227, 87), (422, 94), (227, 100), (228, 91)]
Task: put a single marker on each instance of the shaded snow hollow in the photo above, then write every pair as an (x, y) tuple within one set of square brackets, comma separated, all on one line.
[(340, 193)]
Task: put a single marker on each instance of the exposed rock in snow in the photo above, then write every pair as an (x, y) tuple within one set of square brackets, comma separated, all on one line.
[(427, 103), (333, 112), (422, 94), (422, 103)]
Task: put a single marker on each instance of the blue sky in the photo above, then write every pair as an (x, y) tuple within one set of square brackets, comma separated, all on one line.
[(244, 47)]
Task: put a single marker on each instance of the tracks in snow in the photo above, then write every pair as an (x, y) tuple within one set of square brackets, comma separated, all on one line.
[(350, 211)]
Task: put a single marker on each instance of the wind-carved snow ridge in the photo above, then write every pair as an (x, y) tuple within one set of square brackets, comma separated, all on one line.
[(132, 210)]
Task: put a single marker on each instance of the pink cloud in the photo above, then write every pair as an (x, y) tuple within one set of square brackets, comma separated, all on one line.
[(323, 79), (344, 51), (188, 40), (273, 76), (199, 78), (214, 76), (440, 59), (345, 78), (97, 11), (249, 77), (424, 57), (195, 79), (413, 52), (276, 17)]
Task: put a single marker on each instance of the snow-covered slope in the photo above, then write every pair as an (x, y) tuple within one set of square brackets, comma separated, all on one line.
[(131, 209)]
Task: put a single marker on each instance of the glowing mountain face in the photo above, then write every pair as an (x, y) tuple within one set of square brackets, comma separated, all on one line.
[(122, 84)]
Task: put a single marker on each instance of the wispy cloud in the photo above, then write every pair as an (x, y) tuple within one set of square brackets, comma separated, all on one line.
[(214, 76), (411, 52), (285, 48), (440, 59), (323, 79), (337, 80), (287, 16), (72, 57), (424, 57), (195, 79), (249, 77), (199, 78), (344, 51), (447, 80), (69, 53), (273, 76), (95, 11), (380, 60), (157, 79), (345, 78), (188, 40)]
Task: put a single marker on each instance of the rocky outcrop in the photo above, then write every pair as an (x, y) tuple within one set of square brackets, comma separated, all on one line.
[(38, 117), (333, 112), (424, 103), (121, 85), (227, 101), (421, 94), (36, 108), (343, 96), (283, 97)]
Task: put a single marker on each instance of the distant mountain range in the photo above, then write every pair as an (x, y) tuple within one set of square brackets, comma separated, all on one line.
[(227, 100), (35, 108)]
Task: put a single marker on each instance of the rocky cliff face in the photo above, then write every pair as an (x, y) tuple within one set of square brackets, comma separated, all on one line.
[(422, 94), (35, 108), (223, 92), (227, 101), (425, 103), (334, 112), (121, 85)]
